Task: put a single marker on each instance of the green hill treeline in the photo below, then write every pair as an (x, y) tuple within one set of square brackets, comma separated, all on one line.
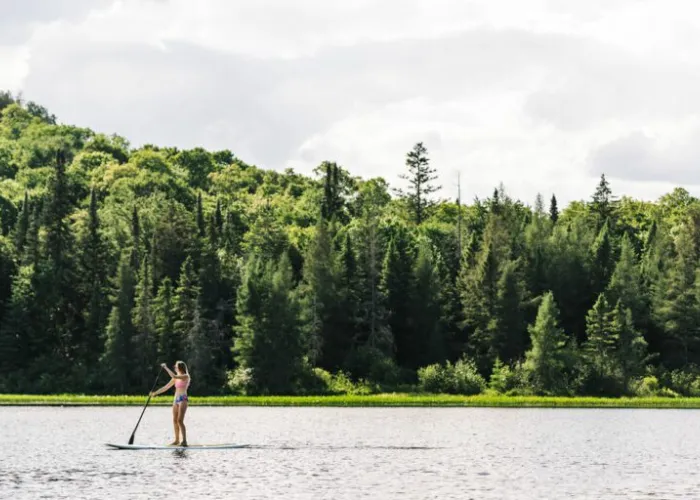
[(113, 259)]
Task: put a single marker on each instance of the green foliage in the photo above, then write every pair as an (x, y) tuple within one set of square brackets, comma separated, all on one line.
[(459, 378), (114, 258)]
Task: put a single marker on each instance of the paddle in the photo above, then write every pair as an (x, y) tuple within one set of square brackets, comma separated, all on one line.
[(131, 439)]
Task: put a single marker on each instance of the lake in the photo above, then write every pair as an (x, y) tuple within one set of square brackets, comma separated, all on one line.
[(353, 453)]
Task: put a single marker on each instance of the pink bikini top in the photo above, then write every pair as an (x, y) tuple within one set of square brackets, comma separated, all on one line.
[(181, 383)]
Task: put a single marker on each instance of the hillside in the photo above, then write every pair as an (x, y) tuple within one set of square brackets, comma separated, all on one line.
[(113, 259)]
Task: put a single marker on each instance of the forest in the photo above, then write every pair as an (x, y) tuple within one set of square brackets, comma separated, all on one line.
[(114, 259)]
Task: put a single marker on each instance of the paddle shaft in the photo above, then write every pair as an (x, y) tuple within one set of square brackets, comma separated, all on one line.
[(131, 439)]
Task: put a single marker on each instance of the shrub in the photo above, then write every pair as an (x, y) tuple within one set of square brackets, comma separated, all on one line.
[(505, 379), (460, 378), (241, 381)]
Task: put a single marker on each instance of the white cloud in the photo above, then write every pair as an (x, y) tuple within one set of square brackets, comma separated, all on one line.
[(539, 94)]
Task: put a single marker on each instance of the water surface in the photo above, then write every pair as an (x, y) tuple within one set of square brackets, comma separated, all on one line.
[(353, 453)]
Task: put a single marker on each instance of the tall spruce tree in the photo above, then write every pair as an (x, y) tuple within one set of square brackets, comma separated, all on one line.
[(145, 339), (269, 340), (93, 258), (421, 177), (169, 345), (428, 345), (602, 339), (631, 346), (117, 359), (187, 296), (553, 210), (396, 284), (546, 362)]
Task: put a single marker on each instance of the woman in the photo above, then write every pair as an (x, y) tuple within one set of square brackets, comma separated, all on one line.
[(181, 381)]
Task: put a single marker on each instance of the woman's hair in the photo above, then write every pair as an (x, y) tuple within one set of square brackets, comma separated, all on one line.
[(180, 365)]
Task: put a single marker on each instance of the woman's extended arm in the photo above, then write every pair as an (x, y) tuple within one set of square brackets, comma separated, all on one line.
[(173, 374), (164, 388)]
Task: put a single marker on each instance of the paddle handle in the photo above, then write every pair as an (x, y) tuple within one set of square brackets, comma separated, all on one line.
[(131, 439)]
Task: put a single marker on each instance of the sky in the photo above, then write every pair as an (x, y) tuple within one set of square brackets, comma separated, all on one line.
[(541, 95)]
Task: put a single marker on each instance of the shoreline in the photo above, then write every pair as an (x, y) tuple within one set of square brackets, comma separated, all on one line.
[(374, 400)]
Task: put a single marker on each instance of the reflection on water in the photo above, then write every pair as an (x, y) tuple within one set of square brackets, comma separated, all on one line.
[(336, 453)]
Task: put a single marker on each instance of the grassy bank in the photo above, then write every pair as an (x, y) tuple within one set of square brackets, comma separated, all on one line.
[(378, 400)]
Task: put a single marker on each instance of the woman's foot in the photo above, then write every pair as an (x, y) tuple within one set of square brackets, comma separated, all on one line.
[(183, 443), (174, 443)]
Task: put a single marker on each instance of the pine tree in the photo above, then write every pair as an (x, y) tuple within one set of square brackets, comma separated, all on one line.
[(218, 218), (187, 295), (396, 284), (269, 339), (64, 331), (553, 210), (429, 341), (169, 345), (22, 224), (602, 338), (135, 238), (602, 202), (479, 292), (93, 258), (32, 247), (200, 352), (631, 346), (145, 340), (117, 358), (546, 362), (333, 202), (20, 331), (200, 217), (420, 178), (602, 260), (626, 281), (676, 306), (320, 297), (508, 324)]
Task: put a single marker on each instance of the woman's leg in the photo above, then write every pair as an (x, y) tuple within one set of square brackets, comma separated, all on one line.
[(181, 422), (176, 426)]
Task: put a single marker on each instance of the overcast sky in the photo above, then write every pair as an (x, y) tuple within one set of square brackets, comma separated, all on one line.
[(542, 95)]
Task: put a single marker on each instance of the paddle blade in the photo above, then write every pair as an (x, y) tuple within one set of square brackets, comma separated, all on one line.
[(131, 439)]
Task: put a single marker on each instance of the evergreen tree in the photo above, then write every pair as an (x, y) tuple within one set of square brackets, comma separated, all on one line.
[(200, 352), (508, 324), (553, 210), (200, 217), (93, 256), (631, 346), (479, 291), (397, 283), (421, 177), (64, 331), (117, 359), (187, 296), (20, 332), (320, 298), (333, 202), (145, 339), (602, 260), (676, 307), (135, 238), (546, 362), (426, 308), (626, 281), (602, 339), (169, 345), (269, 339), (22, 224), (602, 202)]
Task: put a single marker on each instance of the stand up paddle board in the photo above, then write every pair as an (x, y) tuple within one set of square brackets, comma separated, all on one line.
[(176, 447)]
